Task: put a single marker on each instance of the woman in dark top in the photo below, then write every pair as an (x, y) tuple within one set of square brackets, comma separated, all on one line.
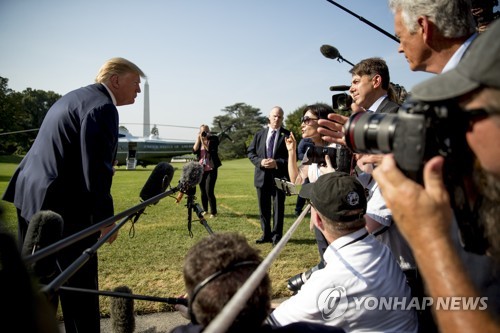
[(206, 149)]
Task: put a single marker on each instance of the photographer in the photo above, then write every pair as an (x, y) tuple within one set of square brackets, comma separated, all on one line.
[(424, 213), (206, 149)]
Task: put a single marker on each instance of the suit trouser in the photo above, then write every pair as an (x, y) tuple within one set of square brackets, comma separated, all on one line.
[(271, 200)]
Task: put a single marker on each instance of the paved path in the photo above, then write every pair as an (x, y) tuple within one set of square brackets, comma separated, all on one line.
[(162, 322)]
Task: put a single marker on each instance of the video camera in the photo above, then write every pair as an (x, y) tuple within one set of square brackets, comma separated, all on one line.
[(341, 103)]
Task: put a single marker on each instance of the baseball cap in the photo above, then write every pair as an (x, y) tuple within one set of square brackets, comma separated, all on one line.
[(480, 66), (335, 195)]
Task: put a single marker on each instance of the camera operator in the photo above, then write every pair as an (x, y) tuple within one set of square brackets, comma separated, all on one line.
[(424, 214), (206, 149)]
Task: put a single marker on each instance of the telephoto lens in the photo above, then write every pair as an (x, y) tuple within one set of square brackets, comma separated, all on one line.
[(370, 132)]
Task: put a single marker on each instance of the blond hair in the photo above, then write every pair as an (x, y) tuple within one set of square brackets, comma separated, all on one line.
[(117, 66)]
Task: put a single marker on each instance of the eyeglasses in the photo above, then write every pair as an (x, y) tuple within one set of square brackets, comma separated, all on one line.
[(307, 120), (474, 115)]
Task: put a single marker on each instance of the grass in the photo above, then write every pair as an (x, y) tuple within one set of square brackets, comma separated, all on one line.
[(148, 256)]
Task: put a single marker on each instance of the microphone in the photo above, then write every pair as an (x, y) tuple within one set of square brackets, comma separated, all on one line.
[(122, 312), (329, 51), (339, 88), (44, 229), (332, 53), (158, 181), (192, 173)]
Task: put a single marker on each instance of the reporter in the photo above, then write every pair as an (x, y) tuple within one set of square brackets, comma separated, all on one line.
[(424, 214), (308, 173)]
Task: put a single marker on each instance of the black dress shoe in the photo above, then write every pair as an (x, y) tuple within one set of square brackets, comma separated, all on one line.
[(276, 239), (263, 240)]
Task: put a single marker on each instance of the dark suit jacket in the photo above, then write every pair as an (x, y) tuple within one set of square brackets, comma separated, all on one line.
[(257, 152), (387, 106), (69, 167)]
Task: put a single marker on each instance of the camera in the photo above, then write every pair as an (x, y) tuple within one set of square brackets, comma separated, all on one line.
[(419, 131), (340, 157), (205, 134), (341, 103)]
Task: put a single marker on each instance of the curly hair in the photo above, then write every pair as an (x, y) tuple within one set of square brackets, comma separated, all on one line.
[(219, 252)]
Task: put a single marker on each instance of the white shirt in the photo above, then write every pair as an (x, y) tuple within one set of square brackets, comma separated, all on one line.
[(374, 106), (365, 268), (457, 56), (110, 94)]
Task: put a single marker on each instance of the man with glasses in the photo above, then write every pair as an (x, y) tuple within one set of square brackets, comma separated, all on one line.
[(424, 214)]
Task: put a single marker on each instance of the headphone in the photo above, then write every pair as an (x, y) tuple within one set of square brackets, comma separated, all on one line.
[(212, 277)]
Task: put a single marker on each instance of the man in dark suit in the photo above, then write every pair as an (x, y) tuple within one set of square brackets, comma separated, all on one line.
[(69, 170), (269, 155), (370, 85)]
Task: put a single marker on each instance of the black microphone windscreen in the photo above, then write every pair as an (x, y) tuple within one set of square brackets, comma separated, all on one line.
[(329, 51), (192, 173), (339, 88), (122, 312), (44, 229), (158, 181)]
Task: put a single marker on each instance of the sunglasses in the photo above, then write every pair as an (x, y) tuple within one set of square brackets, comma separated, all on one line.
[(307, 120), (473, 115)]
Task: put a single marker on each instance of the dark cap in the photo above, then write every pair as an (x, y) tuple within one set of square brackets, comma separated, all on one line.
[(480, 66), (335, 195)]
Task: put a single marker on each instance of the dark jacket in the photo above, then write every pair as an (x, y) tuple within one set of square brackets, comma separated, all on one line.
[(387, 106), (257, 152), (69, 167)]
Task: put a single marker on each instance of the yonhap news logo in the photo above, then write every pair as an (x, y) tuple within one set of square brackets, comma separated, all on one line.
[(333, 303)]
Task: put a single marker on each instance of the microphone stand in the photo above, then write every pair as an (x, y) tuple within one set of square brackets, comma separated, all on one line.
[(168, 300), (191, 205), (365, 21), (55, 284), (126, 214)]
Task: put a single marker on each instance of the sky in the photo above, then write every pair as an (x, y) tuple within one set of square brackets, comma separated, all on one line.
[(199, 56)]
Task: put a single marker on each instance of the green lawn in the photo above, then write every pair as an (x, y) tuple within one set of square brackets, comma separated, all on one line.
[(150, 262)]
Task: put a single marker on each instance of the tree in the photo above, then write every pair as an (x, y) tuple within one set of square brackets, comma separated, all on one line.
[(237, 126), (10, 117), (293, 123), (21, 114)]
